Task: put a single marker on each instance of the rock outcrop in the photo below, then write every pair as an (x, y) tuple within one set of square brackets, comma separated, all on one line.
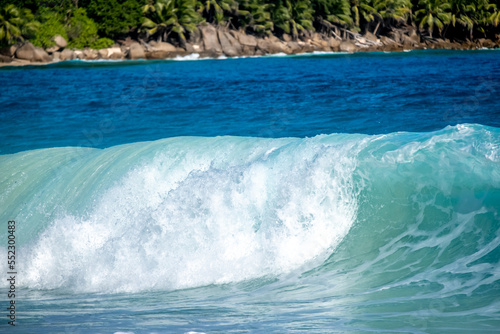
[(8, 51), (136, 51), (5, 59), (272, 45), (248, 42), (60, 41), (60, 44), (29, 52), (90, 54), (230, 46), (347, 46), (67, 54), (210, 39), (194, 48)]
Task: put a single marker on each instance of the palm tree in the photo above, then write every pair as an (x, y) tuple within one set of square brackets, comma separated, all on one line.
[(10, 24), (217, 11), (486, 14), (392, 11), (435, 13), (460, 13), (293, 16), (15, 24), (29, 25), (256, 16), (362, 9), (165, 16), (330, 13)]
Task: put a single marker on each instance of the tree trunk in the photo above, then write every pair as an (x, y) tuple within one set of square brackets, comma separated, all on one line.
[(376, 28)]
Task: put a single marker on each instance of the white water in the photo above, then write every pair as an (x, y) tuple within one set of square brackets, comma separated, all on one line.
[(189, 212)]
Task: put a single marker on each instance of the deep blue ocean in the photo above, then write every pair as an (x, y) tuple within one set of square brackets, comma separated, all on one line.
[(326, 193)]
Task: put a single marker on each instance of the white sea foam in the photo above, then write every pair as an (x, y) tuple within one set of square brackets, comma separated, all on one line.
[(217, 211), (192, 56)]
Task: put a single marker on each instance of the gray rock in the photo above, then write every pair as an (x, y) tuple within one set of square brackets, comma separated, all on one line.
[(334, 43), (8, 51), (158, 54), (487, 43), (190, 48), (26, 51), (396, 35), (179, 53), (42, 56), (294, 47), (195, 37), (387, 41), (346, 46), (60, 41), (163, 46), (103, 53), (5, 59), (67, 54), (194, 48), (230, 46), (319, 42), (79, 54), (245, 39), (52, 49), (31, 53), (415, 37), (90, 54), (307, 48), (248, 50), (371, 37), (287, 38), (210, 39), (136, 51), (209, 54), (259, 52), (115, 52), (272, 45)]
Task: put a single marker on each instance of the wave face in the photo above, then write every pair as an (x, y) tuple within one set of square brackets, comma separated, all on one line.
[(380, 214)]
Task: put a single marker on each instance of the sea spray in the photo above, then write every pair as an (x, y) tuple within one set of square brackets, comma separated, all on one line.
[(186, 212)]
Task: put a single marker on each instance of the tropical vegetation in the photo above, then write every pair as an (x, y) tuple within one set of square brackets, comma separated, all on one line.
[(87, 23)]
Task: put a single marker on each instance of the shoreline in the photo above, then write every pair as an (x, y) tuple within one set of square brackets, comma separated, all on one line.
[(16, 63), (216, 43)]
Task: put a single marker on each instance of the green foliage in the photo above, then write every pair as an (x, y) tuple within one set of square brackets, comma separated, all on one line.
[(82, 22), (102, 43), (32, 5), (10, 24), (115, 18), (16, 24), (334, 11), (256, 16), (434, 13), (396, 10), (217, 11), (293, 16), (166, 16), (361, 10), (81, 30), (51, 25)]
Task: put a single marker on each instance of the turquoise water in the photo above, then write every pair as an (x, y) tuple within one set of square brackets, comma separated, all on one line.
[(324, 194)]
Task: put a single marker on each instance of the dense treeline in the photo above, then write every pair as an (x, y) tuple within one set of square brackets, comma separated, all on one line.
[(97, 23)]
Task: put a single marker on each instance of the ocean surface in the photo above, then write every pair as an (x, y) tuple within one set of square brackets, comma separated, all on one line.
[(328, 193)]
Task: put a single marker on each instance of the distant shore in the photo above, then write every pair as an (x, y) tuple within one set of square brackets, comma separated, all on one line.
[(215, 42)]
